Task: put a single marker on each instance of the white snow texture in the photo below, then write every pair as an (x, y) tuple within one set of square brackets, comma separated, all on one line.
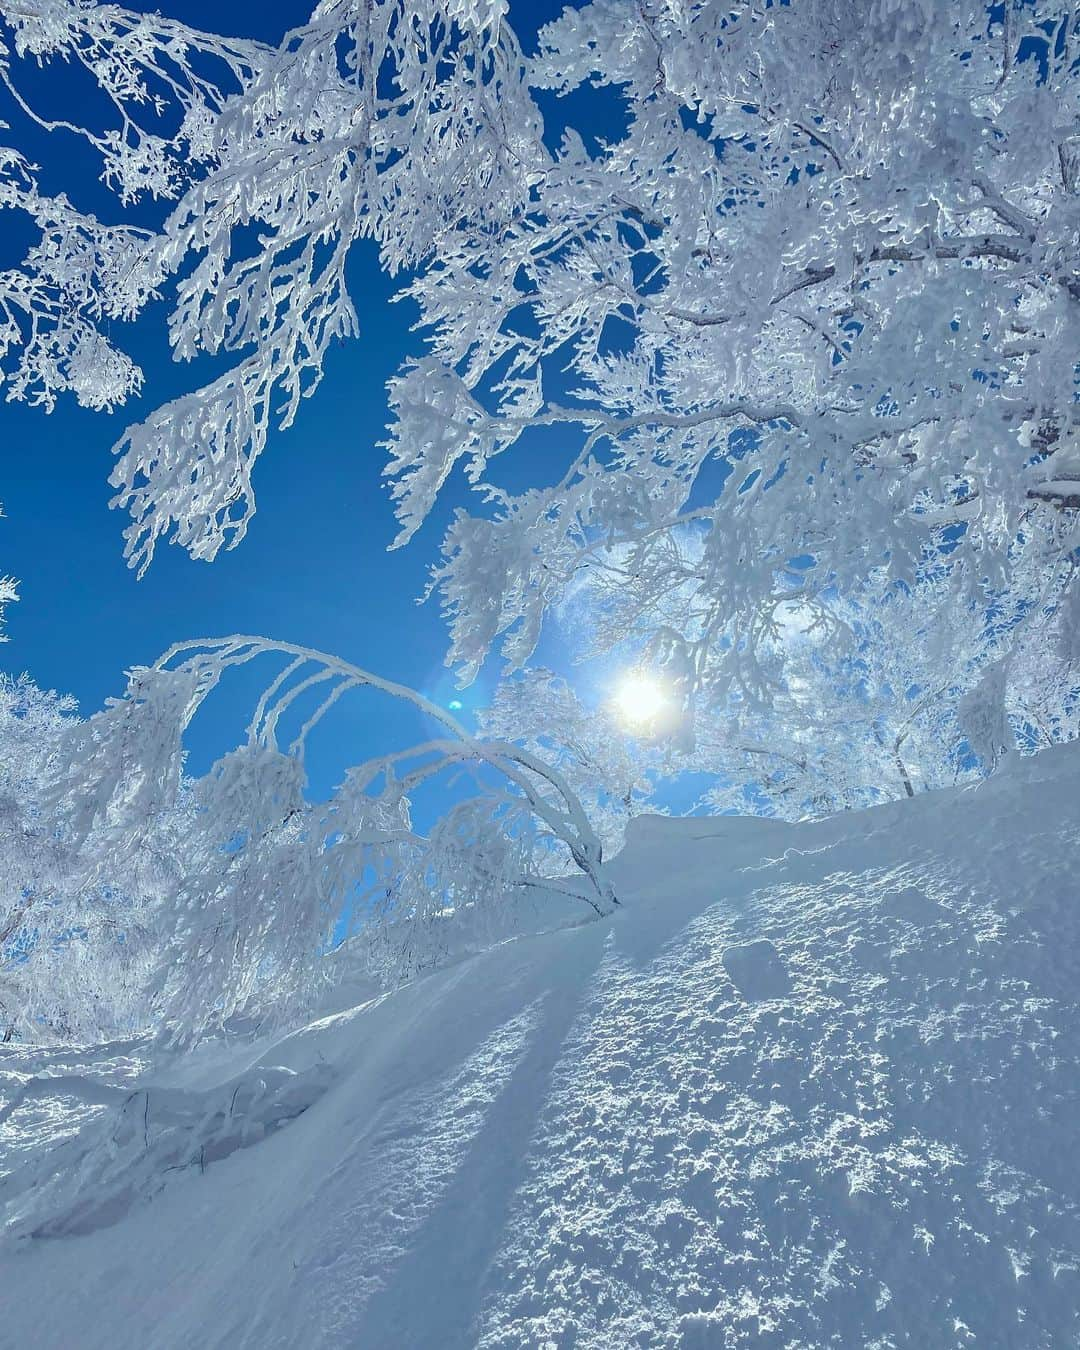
[(814, 1085)]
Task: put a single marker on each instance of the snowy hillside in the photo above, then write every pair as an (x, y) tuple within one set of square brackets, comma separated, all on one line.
[(815, 1085)]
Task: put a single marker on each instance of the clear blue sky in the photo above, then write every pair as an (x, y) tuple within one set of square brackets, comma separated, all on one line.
[(313, 567)]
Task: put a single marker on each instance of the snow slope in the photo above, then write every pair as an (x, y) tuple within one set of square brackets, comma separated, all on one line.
[(815, 1085)]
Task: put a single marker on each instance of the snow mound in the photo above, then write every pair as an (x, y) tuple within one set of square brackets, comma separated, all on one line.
[(123, 1151), (815, 1085)]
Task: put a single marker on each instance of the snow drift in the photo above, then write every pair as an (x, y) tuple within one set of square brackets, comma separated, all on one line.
[(814, 1085)]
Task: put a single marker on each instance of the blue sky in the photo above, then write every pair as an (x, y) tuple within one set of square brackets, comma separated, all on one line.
[(313, 567)]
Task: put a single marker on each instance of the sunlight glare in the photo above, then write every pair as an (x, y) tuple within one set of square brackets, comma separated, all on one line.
[(639, 699)]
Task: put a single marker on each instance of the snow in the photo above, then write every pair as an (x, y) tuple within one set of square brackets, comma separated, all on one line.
[(813, 1085)]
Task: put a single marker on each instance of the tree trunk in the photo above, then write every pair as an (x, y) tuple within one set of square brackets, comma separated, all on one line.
[(904, 776)]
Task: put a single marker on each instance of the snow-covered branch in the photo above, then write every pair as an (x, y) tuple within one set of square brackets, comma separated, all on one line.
[(807, 297), (267, 881)]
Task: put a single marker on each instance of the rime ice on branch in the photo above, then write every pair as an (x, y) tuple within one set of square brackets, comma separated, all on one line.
[(267, 882)]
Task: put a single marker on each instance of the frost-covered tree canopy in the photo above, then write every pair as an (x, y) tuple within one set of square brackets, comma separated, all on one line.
[(135, 895), (775, 304), (813, 293), (78, 934)]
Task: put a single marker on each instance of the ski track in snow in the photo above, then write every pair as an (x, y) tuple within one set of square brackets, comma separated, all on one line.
[(827, 1100)]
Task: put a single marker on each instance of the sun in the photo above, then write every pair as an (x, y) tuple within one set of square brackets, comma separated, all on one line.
[(639, 698)]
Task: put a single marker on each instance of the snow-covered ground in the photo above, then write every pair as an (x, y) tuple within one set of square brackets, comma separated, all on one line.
[(814, 1085)]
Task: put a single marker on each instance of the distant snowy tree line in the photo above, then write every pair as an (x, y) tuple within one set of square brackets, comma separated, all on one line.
[(798, 332)]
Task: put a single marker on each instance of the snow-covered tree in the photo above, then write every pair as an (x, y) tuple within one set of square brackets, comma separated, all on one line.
[(862, 703), (816, 287), (386, 121), (828, 259), (270, 881), (1044, 675), (77, 944), (160, 86), (896, 689)]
